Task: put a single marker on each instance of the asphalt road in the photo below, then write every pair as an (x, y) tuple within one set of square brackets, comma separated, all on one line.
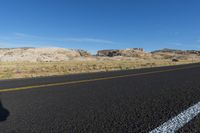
[(122, 101)]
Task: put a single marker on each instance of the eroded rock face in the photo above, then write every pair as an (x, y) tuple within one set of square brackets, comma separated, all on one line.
[(40, 54), (132, 52), (109, 53)]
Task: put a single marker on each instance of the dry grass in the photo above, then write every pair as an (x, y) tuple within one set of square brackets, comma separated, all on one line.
[(10, 70)]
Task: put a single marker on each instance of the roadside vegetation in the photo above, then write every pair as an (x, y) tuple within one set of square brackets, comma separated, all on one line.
[(10, 70)]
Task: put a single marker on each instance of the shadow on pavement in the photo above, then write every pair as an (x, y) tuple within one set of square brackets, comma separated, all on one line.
[(4, 113)]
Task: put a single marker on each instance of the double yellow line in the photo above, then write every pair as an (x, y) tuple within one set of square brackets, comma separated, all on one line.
[(91, 80)]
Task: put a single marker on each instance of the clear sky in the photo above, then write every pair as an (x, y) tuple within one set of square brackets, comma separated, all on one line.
[(100, 24)]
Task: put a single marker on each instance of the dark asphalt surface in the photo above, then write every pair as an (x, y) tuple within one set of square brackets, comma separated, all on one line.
[(129, 104)]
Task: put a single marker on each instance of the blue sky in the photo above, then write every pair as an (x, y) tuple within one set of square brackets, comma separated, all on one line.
[(100, 24)]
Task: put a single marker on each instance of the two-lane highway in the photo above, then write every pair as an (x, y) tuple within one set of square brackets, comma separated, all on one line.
[(123, 101)]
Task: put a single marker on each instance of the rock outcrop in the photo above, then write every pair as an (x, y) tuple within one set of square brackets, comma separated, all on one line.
[(109, 53), (62, 54), (135, 52), (131, 52)]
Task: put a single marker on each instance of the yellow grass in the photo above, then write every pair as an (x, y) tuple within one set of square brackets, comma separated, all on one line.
[(10, 70)]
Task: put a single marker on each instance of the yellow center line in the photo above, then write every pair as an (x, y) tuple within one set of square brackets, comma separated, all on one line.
[(91, 80)]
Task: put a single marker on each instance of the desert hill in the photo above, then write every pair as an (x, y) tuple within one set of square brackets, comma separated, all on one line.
[(40, 54), (63, 54)]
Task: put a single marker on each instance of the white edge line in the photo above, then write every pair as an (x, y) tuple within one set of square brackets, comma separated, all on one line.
[(178, 121)]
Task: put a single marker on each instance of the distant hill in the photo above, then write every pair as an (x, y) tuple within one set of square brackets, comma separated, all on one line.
[(176, 54), (40, 54), (63, 54), (165, 50)]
